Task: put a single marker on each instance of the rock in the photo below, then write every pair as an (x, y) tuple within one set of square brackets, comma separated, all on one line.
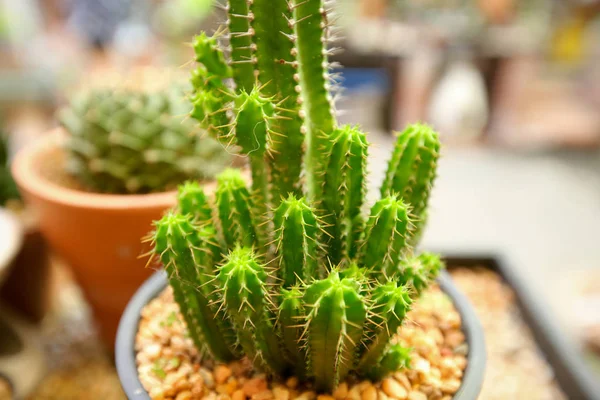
[(254, 386), (450, 386), (394, 389), (152, 351), (454, 338), (415, 395), (281, 393), (401, 377), (353, 394), (370, 393), (238, 395), (341, 391), (207, 377), (325, 397), (308, 395), (185, 395), (381, 395), (292, 382), (222, 373), (264, 395)]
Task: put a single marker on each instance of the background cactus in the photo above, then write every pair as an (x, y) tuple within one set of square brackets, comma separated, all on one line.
[(129, 141), (309, 285)]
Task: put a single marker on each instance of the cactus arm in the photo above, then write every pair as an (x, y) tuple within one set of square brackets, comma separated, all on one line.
[(276, 71), (385, 236), (419, 271), (246, 299), (296, 230), (208, 53), (252, 121), (412, 170), (175, 237), (192, 200), (335, 325), (310, 39), (343, 192), (394, 359), (234, 207), (210, 107), (389, 305), (240, 39), (291, 314)]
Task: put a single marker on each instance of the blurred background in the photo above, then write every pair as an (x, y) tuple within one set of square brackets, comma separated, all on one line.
[(513, 86)]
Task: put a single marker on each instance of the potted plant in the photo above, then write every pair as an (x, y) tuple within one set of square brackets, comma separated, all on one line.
[(97, 183), (285, 290)]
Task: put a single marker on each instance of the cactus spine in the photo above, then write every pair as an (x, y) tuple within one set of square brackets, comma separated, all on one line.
[(338, 284)]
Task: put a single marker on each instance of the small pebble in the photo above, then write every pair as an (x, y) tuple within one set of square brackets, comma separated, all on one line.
[(415, 395), (254, 386), (292, 382), (370, 393), (341, 391), (392, 388), (238, 395), (222, 373)]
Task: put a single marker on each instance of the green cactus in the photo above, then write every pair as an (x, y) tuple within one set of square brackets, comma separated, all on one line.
[(334, 327), (412, 170), (127, 141), (309, 285)]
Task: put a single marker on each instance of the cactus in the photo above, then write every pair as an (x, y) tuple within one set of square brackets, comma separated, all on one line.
[(411, 170), (309, 285), (129, 141)]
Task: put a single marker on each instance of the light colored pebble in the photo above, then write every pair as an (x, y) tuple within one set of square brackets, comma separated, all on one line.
[(416, 395), (341, 391), (281, 393), (264, 395), (325, 397), (392, 388), (207, 376), (152, 351), (401, 377), (353, 394), (308, 395), (254, 386), (238, 395), (185, 395), (292, 382), (450, 386), (222, 373), (381, 395), (370, 393)]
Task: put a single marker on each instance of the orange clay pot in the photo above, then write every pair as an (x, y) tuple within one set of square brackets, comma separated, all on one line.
[(98, 235)]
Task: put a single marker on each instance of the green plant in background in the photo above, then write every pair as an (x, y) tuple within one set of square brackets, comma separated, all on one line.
[(8, 187), (129, 141), (296, 278)]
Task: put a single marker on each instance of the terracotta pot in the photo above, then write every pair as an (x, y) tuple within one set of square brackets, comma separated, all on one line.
[(98, 235)]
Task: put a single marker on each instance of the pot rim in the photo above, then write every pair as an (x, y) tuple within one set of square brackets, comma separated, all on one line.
[(25, 174), (128, 326)]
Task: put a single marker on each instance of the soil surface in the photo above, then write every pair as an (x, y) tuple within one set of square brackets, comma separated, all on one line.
[(170, 367)]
